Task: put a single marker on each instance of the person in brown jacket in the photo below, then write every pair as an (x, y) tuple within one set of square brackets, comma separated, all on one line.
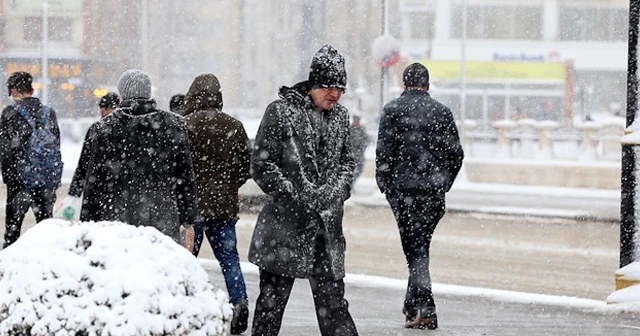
[(221, 155)]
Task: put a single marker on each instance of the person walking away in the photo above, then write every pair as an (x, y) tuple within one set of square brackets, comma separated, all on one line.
[(30, 156), (359, 142), (141, 172), (176, 104), (302, 159), (418, 156), (221, 155), (106, 105)]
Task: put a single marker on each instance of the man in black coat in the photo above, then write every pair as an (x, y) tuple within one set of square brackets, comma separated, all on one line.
[(141, 171), (359, 142), (418, 156), (302, 159), (107, 104), (15, 132)]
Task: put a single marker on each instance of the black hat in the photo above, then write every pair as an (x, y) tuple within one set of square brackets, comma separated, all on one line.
[(21, 81), (328, 69), (416, 75), (176, 104), (109, 101)]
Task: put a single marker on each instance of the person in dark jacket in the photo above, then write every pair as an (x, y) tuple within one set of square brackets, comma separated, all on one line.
[(418, 156), (141, 172), (302, 159), (107, 104), (221, 155), (176, 104), (15, 132), (359, 142)]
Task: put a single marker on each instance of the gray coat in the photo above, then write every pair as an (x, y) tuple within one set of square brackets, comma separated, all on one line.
[(307, 178)]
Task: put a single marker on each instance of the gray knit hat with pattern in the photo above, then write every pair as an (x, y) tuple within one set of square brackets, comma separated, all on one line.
[(134, 84)]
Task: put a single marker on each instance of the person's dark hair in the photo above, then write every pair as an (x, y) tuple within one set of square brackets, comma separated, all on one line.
[(176, 104), (109, 101), (416, 75), (21, 81)]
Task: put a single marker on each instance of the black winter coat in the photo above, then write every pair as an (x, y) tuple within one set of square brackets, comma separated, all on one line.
[(308, 182), (418, 145), (141, 171), (14, 135), (79, 175)]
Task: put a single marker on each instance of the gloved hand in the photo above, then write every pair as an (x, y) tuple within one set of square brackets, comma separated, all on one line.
[(329, 195)]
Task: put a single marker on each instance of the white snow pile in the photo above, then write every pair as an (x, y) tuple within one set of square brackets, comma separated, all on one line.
[(629, 296), (105, 278)]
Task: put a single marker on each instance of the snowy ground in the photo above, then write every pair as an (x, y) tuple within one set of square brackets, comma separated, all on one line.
[(603, 202)]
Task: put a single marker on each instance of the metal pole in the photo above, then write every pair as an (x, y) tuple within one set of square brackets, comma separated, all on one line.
[(385, 19), (45, 60), (463, 74), (385, 30), (307, 35), (144, 34), (628, 179)]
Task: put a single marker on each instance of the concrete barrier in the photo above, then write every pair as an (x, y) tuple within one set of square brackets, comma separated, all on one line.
[(571, 174)]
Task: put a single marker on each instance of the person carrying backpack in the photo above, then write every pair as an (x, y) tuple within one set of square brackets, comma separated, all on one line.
[(30, 157)]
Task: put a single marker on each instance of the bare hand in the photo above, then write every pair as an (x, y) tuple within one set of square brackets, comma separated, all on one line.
[(187, 237)]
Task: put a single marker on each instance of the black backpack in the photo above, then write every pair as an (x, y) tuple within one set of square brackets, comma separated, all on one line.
[(42, 168)]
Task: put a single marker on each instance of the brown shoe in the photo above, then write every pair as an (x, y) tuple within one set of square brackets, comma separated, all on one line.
[(408, 318), (419, 322)]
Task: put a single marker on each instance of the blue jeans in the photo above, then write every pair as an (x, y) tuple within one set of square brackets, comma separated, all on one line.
[(222, 237)]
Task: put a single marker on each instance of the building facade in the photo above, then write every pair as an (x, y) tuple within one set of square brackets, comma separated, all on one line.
[(588, 37), (513, 48)]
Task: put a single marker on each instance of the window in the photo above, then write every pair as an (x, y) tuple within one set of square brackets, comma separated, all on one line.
[(499, 22), (60, 28), (32, 28), (593, 23), (421, 24)]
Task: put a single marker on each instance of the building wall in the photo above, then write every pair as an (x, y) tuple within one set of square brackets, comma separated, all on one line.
[(257, 46), (592, 34), (253, 46)]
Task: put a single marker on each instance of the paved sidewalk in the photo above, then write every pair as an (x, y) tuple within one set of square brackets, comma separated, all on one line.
[(521, 200), (375, 304)]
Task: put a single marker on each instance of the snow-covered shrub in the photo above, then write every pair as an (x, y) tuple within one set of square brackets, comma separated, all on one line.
[(105, 278)]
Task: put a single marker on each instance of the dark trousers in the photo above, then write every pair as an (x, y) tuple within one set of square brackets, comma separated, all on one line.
[(19, 201), (417, 215), (332, 309)]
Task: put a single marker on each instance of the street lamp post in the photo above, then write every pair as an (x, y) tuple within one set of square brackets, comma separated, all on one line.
[(628, 178), (144, 34), (45, 60), (463, 73), (385, 31)]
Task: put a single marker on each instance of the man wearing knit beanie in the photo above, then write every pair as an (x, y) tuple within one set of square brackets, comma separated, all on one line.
[(415, 185), (134, 84), (328, 69), (141, 171), (302, 158)]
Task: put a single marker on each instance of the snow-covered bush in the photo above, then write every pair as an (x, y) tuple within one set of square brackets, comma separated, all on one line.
[(105, 278)]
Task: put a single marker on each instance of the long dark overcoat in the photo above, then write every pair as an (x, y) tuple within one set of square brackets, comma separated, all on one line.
[(308, 185), (140, 171)]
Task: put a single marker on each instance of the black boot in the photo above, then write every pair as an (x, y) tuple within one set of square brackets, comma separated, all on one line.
[(240, 318)]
